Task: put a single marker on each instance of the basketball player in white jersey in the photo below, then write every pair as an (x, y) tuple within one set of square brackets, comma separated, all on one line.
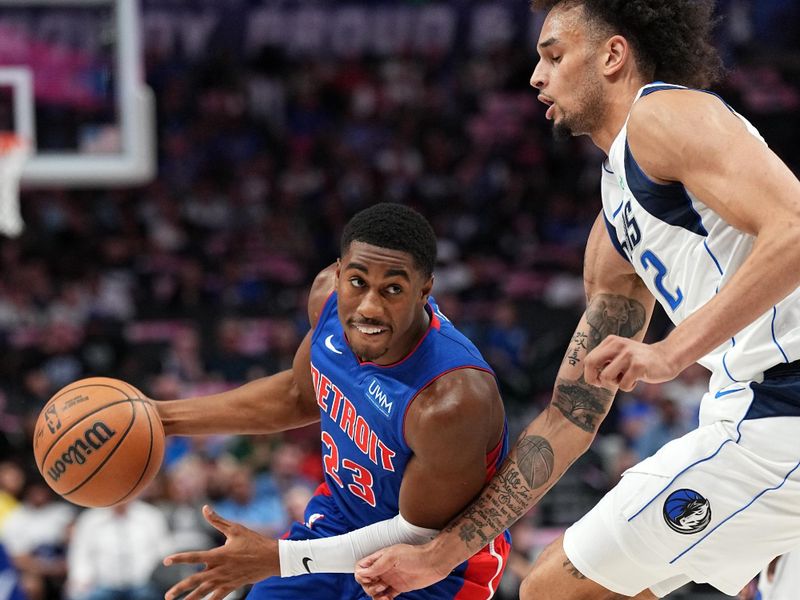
[(699, 215)]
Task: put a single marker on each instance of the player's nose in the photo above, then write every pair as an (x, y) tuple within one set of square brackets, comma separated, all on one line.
[(370, 305), (537, 77)]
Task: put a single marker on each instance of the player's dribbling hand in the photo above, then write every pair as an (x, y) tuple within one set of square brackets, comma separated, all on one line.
[(246, 557), (622, 362), (395, 570)]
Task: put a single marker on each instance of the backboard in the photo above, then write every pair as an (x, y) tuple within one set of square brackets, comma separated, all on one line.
[(72, 84)]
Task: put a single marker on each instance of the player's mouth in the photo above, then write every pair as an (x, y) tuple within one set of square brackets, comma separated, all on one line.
[(369, 330), (551, 106)]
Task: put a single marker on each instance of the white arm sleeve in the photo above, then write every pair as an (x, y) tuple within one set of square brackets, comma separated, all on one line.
[(340, 553)]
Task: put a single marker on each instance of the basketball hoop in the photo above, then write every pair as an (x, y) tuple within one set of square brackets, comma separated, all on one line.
[(14, 151)]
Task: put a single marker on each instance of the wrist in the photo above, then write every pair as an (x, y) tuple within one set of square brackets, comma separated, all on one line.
[(165, 415), (674, 354), (444, 553)]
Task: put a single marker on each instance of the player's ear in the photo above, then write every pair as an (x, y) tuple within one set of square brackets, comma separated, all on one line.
[(338, 269), (427, 287), (616, 54)]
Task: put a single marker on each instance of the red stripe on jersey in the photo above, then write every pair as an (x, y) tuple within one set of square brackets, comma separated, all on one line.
[(491, 459), (322, 490), (484, 571)]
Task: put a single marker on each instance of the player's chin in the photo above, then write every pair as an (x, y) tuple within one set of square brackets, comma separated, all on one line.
[(371, 351), (561, 130)]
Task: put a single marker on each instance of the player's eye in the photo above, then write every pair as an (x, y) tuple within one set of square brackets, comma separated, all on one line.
[(556, 59), (394, 289), (357, 282)]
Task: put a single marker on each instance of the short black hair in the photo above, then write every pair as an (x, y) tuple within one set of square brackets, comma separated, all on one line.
[(396, 227), (671, 39)]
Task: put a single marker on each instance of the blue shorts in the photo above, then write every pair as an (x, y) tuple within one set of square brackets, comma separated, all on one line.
[(475, 579)]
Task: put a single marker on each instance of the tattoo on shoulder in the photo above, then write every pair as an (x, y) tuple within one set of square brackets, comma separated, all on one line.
[(582, 404), (609, 314), (572, 570), (536, 458)]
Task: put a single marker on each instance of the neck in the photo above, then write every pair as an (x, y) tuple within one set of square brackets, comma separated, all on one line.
[(620, 99)]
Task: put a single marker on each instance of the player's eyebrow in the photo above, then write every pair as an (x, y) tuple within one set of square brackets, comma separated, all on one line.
[(389, 272), (397, 273), (357, 267), (548, 42)]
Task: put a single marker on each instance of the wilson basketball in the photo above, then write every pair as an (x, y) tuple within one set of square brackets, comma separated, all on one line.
[(98, 442)]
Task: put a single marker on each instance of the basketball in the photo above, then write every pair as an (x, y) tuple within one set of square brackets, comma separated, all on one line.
[(98, 442)]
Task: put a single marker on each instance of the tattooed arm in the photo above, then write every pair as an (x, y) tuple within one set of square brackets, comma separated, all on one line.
[(618, 303)]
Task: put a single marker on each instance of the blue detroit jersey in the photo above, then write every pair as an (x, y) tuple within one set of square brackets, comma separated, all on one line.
[(363, 407)]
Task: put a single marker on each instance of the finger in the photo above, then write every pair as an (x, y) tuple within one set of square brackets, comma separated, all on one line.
[(220, 593), (201, 591), (217, 522), (374, 589), (594, 364), (614, 371), (389, 594), (364, 580), (630, 379), (373, 565), (194, 558), (368, 561), (185, 585), (591, 374)]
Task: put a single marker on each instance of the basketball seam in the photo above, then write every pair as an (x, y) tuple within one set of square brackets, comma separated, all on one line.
[(67, 430), (72, 389), (110, 454), (149, 455)]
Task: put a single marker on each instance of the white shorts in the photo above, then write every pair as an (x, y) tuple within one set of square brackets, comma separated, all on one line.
[(714, 506)]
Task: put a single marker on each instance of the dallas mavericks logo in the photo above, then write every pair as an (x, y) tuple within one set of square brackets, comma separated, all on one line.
[(686, 511)]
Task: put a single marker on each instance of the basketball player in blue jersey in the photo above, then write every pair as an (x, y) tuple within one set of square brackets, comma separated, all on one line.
[(412, 427), (699, 215)]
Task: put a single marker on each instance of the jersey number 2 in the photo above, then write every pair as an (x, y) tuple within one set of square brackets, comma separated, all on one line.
[(650, 259), (362, 478)]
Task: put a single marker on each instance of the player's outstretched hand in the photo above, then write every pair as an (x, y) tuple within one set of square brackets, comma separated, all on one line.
[(619, 361), (246, 557), (395, 570)]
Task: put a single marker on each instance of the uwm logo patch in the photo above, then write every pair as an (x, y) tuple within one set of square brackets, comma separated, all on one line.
[(379, 398)]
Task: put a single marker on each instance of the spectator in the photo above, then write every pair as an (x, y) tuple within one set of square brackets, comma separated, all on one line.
[(114, 551)]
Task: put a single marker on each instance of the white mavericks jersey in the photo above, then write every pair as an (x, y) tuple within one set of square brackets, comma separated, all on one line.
[(686, 253)]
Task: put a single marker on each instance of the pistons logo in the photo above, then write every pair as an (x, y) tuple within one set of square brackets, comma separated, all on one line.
[(687, 512)]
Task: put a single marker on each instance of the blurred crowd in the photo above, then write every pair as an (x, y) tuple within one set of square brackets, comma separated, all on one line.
[(197, 282)]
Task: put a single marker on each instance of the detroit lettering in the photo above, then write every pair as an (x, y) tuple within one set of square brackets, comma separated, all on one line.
[(92, 439), (343, 412)]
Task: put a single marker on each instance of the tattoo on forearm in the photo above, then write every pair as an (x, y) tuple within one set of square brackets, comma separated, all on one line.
[(578, 347), (582, 404), (521, 481), (572, 570), (613, 315), (535, 457), (530, 471)]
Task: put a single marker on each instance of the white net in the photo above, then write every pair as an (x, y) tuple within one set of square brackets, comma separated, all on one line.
[(14, 151)]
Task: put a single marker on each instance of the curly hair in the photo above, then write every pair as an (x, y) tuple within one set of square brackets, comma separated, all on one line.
[(670, 38), (396, 227)]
